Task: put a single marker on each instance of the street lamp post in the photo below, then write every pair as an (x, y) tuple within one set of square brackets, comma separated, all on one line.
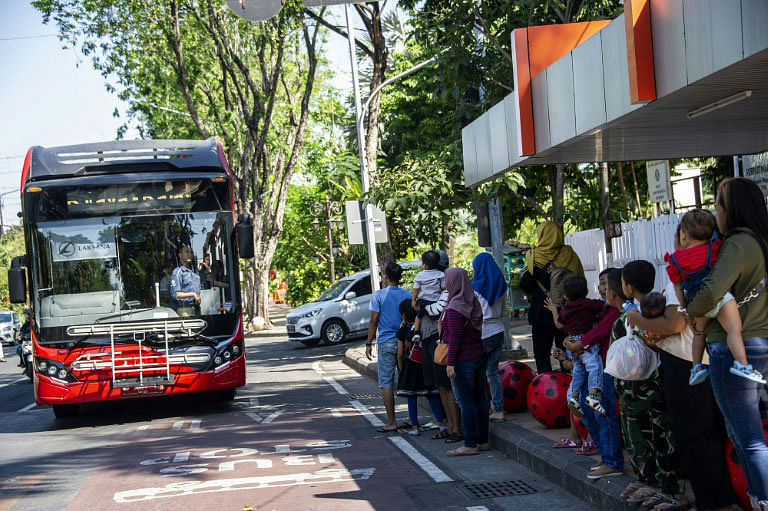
[(332, 212)]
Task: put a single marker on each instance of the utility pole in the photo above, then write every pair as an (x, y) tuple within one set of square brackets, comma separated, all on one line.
[(2, 225), (365, 179)]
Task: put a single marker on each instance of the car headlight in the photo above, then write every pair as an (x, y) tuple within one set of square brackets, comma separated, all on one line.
[(311, 314)]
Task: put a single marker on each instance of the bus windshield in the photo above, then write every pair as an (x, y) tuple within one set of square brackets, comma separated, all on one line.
[(115, 269)]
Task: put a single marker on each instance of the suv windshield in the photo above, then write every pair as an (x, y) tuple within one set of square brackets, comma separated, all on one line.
[(334, 291), (131, 268), (5, 317)]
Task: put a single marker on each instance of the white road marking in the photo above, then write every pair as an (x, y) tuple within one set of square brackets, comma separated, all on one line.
[(143, 427), (272, 417), (193, 425), (335, 412), (28, 407), (177, 489), (254, 416), (254, 402), (427, 466), (477, 508), (365, 412), (13, 382), (330, 381)]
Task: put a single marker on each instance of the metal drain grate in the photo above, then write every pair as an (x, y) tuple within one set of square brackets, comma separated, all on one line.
[(364, 396), (498, 489)]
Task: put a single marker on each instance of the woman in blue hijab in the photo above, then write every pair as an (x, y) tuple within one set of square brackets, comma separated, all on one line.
[(491, 290)]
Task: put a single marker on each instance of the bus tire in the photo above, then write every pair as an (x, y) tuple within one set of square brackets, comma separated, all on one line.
[(226, 394), (65, 411)]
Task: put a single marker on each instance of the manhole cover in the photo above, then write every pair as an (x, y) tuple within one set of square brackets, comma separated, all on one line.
[(364, 396), (498, 489)]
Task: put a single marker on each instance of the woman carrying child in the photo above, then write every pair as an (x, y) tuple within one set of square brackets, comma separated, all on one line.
[(551, 252), (741, 270)]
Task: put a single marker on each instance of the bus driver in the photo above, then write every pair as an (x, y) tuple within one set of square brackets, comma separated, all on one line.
[(185, 284)]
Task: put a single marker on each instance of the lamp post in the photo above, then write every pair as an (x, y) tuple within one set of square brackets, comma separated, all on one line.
[(331, 210)]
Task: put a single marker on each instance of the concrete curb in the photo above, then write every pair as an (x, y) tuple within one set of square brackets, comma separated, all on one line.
[(560, 466)]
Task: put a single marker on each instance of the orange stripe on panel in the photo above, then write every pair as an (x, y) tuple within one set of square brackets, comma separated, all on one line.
[(548, 43), (642, 80), (526, 144)]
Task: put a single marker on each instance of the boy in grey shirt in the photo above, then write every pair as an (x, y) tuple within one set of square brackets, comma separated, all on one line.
[(427, 286)]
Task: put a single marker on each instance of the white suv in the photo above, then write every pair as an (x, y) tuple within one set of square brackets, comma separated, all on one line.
[(10, 324), (341, 312)]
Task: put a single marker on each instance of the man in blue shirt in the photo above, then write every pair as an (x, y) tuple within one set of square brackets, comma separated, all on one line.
[(185, 284), (385, 317)]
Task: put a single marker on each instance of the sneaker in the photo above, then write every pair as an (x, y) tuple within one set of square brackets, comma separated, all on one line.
[(596, 467), (593, 401), (416, 339), (746, 371), (414, 432), (699, 373), (573, 405), (605, 471)]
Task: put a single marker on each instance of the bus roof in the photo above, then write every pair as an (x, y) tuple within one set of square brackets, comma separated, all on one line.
[(120, 156)]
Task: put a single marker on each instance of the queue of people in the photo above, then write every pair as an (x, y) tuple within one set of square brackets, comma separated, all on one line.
[(704, 341)]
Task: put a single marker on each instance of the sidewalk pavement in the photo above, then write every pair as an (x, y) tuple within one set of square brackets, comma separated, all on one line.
[(524, 440)]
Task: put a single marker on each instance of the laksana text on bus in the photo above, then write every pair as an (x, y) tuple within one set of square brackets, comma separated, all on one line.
[(132, 270)]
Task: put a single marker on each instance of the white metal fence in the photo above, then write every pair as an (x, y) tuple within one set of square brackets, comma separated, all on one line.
[(644, 239)]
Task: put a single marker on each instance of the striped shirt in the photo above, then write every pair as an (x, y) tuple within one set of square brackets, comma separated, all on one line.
[(463, 340)]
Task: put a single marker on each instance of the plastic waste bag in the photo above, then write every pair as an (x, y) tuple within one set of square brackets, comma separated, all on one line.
[(629, 358)]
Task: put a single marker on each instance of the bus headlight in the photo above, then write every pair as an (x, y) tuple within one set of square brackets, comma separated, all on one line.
[(227, 354), (54, 370)]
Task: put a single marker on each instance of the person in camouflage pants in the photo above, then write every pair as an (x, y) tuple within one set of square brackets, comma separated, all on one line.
[(647, 428)]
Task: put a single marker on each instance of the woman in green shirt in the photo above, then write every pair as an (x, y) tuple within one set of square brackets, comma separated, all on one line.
[(741, 269)]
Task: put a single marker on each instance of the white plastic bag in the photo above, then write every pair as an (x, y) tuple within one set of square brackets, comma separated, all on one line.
[(630, 359)]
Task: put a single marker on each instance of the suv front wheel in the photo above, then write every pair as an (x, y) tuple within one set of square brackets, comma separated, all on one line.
[(334, 332)]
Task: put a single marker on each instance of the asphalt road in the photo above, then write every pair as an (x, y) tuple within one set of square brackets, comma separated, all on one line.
[(300, 435)]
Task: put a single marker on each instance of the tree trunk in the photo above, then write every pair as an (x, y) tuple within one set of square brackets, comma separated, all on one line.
[(261, 292), (627, 200), (637, 192), (556, 178)]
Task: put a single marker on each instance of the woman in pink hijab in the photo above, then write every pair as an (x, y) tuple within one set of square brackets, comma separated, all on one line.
[(461, 326)]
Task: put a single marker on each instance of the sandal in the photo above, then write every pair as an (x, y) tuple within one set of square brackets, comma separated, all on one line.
[(588, 449), (659, 501), (631, 489), (565, 443), (642, 494), (593, 401), (405, 425), (452, 438), (443, 433)]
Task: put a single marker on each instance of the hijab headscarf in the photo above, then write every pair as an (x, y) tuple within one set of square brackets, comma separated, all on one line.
[(551, 247), (461, 297), (489, 281)]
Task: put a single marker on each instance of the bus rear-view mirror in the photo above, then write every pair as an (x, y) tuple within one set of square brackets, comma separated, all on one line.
[(17, 281), (244, 229)]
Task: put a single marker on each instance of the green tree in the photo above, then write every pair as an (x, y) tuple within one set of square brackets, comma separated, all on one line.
[(11, 245), (249, 83)]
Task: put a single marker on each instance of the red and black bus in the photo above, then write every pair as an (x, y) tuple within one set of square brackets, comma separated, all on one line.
[(108, 227)]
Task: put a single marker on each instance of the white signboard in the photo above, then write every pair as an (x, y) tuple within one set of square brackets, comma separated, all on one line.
[(658, 180), (756, 169), (80, 246), (356, 218)]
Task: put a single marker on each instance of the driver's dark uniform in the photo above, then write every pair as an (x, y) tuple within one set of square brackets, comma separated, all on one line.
[(185, 280)]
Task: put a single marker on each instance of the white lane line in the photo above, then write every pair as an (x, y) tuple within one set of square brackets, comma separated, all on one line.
[(335, 412), (13, 382), (195, 425), (477, 508), (254, 416), (253, 402), (330, 381), (365, 412), (143, 427), (427, 466), (272, 417), (28, 407)]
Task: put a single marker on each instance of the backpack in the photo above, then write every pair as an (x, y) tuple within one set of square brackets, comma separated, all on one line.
[(557, 276)]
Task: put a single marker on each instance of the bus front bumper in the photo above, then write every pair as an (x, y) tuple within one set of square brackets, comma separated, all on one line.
[(54, 392)]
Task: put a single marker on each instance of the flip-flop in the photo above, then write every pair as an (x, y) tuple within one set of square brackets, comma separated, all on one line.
[(565, 443), (382, 430), (662, 501), (631, 489), (405, 425), (452, 438), (642, 494), (440, 435)]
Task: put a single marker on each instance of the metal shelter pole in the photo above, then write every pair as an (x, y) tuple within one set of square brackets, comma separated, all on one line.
[(368, 223)]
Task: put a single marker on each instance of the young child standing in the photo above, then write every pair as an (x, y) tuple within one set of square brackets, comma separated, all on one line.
[(427, 286), (697, 249), (410, 383), (578, 316)]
